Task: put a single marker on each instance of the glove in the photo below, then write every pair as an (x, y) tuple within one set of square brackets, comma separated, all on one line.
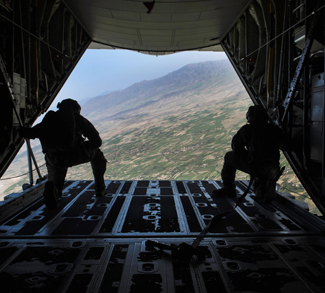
[(25, 132)]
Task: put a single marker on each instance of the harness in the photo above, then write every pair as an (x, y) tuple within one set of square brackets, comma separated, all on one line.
[(185, 251)]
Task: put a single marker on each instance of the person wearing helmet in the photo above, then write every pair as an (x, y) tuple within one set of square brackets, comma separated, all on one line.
[(255, 150), (67, 139)]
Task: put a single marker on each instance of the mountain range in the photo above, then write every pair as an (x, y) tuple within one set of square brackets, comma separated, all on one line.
[(193, 77)]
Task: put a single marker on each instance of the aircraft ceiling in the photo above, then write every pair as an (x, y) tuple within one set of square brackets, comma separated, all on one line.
[(170, 26)]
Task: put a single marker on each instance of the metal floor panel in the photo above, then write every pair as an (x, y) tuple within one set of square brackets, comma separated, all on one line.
[(292, 264), (91, 244)]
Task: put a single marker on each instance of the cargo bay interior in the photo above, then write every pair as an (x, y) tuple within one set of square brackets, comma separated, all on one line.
[(97, 244)]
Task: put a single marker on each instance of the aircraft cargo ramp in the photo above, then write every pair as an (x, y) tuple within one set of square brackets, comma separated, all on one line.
[(91, 244)]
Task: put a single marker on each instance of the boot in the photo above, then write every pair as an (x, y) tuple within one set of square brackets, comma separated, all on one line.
[(258, 188), (226, 191), (265, 190), (51, 195), (100, 190), (98, 164), (269, 190)]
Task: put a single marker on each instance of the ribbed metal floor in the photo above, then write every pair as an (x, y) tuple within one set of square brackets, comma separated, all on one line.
[(91, 244)]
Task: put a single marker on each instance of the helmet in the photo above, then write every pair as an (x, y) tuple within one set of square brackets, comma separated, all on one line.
[(69, 104), (256, 114)]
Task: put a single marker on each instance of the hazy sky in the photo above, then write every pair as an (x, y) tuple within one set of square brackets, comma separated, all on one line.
[(100, 71)]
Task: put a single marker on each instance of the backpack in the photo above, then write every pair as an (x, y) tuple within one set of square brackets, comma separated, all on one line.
[(59, 131), (263, 152)]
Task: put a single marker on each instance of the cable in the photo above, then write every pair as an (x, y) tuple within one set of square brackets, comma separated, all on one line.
[(36, 37), (279, 35), (295, 192), (22, 174)]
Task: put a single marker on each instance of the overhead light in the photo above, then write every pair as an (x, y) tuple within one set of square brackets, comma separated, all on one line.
[(149, 5)]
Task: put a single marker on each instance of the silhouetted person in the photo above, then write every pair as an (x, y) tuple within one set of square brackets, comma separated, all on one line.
[(67, 139), (255, 150)]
